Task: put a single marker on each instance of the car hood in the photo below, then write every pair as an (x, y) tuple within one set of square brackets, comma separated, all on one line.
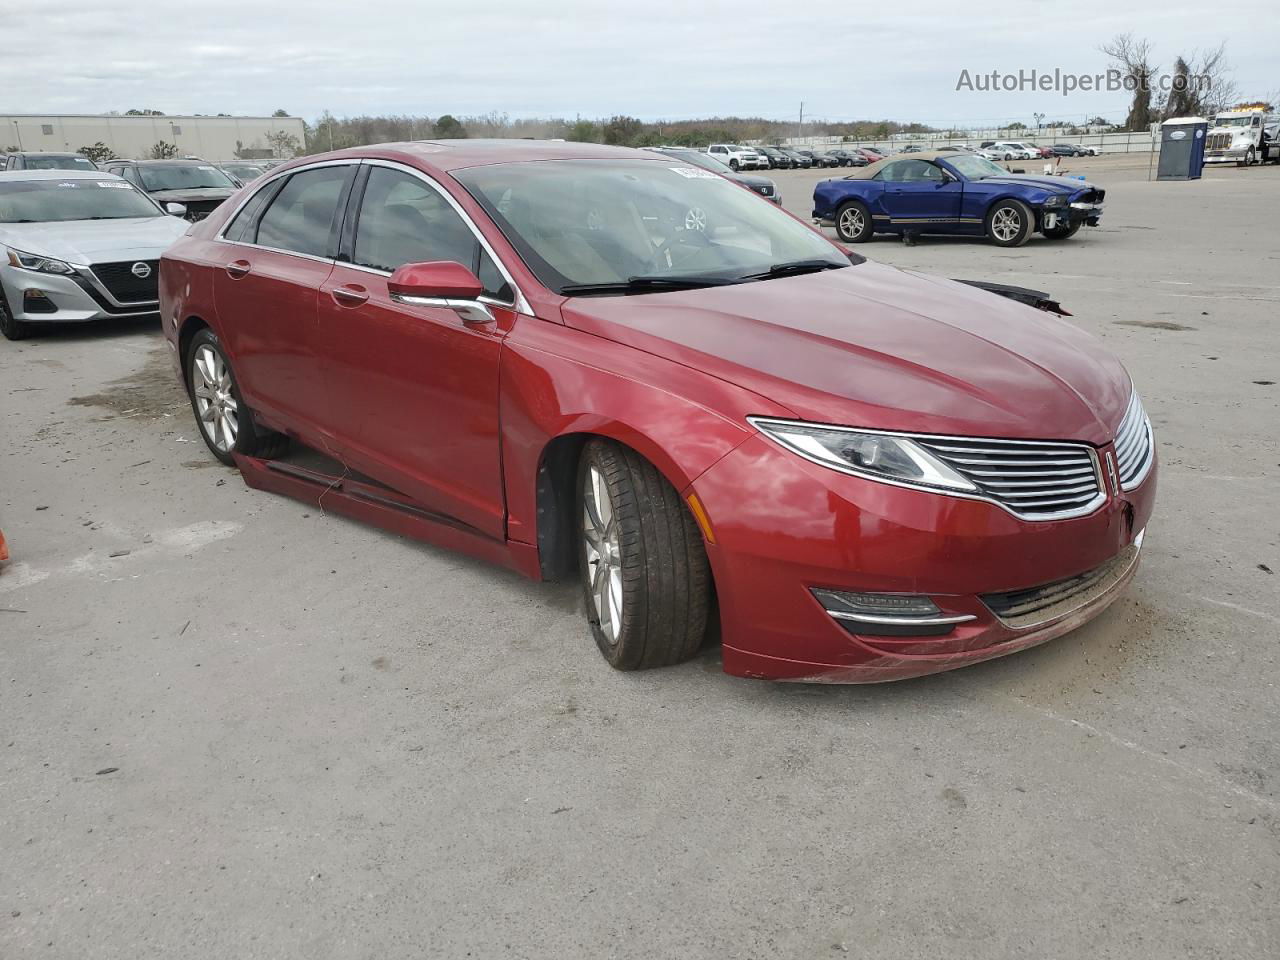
[(873, 346), (186, 196), (1062, 185), (95, 241)]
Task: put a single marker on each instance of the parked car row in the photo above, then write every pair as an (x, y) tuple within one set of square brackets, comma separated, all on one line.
[(739, 157)]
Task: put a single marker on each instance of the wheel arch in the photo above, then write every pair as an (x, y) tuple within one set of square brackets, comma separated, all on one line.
[(556, 483), (186, 333)]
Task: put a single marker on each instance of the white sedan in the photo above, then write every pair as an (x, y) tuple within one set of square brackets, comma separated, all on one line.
[(77, 246)]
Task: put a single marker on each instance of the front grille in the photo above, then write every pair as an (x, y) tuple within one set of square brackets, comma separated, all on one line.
[(1021, 609), (197, 210), (1134, 448), (1033, 479), (1217, 141), (120, 281)]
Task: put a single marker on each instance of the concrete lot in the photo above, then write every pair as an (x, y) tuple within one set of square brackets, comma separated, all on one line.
[(233, 727)]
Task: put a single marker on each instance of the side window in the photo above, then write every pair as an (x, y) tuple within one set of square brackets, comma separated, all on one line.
[(910, 171), (403, 220), (245, 225), (495, 284), (301, 216)]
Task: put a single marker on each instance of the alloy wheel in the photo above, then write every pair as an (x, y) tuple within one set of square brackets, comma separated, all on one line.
[(604, 553), (1006, 224), (695, 219), (852, 222), (216, 405)]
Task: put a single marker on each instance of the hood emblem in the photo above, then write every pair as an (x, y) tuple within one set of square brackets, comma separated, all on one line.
[(141, 270), (1111, 471)]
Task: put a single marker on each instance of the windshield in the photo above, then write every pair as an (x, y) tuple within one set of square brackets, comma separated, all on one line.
[(1234, 121), (59, 163), (702, 160), (973, 167), (52, 201), (183, 176), (589, 222)]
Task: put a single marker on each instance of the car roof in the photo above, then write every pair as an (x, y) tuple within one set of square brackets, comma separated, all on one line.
[(871, 169), (446, 155), (57, 175), (47, 153)]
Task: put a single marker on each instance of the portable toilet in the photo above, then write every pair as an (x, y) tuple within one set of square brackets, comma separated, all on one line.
[(1182, 148)]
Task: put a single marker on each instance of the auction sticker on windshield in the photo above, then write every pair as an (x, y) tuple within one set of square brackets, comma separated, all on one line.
[(695, 173)]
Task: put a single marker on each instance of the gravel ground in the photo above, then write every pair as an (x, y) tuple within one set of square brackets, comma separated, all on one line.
[(232, 726)]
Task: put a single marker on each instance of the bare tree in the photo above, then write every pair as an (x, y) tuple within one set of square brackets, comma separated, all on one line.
[(1133, 56)]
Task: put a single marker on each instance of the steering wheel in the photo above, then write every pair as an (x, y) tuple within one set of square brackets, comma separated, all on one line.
[(683, 236)]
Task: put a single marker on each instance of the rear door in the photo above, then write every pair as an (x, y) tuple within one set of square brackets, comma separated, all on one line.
[(413, 389), (275, 254), (918, 193)]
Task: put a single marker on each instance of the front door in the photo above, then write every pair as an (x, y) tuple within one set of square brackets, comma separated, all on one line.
[(266, 290), (414, 390), (918, 194)]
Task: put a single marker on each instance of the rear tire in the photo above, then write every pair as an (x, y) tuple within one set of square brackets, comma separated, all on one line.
[(642, 561), (1009, 223), (226, 422), (12, 328), (853, 222)]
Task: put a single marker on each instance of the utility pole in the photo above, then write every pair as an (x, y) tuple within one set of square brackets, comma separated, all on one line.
[(800, 126), (18, 130)]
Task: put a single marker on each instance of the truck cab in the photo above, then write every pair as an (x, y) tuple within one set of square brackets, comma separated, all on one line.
[(736, 157), (1244, 136)]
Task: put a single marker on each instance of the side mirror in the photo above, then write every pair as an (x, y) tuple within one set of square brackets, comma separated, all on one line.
[(175, 209), (443, 283)]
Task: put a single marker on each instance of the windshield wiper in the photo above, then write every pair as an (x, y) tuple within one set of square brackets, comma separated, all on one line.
[(646, 285), (795, 267)]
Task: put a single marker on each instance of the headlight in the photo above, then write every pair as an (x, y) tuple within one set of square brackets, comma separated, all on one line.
[(876, 456), (1056, 201), (30, 261)]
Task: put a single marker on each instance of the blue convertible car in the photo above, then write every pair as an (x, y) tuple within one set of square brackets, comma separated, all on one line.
[(954, 193)]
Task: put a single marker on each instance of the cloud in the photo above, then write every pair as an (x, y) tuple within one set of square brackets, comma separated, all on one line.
[(567, 57)]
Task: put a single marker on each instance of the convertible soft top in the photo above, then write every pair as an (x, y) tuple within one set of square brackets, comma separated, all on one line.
[(871, 169)]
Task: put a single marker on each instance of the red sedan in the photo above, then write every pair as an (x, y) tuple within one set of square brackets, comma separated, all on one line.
[(593, 361)]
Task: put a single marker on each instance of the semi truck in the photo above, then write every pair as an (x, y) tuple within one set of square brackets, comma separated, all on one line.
[(1244, 135)]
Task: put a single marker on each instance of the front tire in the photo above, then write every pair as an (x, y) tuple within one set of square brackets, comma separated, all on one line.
[(226, 422), (853, 222), (1009, 223), (733, 164), (645, 575), (13, 329)]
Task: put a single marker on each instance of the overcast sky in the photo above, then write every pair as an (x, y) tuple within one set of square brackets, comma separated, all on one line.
[(845, 60)]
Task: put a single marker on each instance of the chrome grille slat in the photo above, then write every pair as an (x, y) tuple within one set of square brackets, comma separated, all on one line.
[(1135, 449), (1032, 473), (1043, 492), (1033, 479), (1014, 463)]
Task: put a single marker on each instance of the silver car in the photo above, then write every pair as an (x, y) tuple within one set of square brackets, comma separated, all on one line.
[(78, 246)]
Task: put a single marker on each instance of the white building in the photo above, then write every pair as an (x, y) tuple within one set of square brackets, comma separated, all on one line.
[(211, 138)]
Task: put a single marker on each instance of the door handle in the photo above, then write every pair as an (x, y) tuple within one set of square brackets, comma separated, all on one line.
[(237, 269), (349, 296)]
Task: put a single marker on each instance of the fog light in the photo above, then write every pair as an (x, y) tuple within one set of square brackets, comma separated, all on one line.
[(888, 614), (37, 301)]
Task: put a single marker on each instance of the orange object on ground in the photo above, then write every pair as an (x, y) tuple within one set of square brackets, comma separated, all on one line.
[(4, 550)]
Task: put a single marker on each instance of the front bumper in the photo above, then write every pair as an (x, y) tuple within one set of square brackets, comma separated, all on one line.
[(783, 526), (1086, 213), (75, 298)]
